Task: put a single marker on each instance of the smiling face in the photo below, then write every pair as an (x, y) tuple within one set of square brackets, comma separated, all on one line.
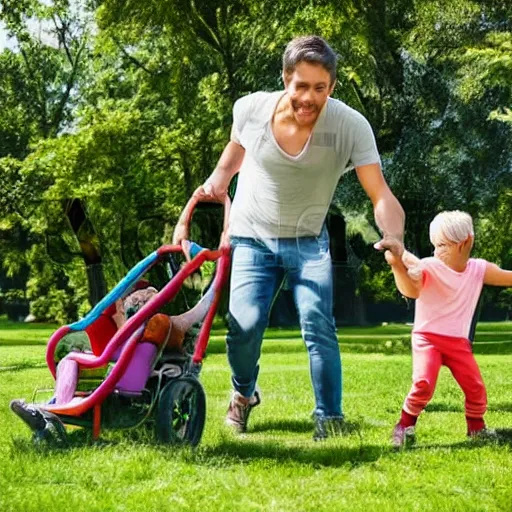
[(308, 88)]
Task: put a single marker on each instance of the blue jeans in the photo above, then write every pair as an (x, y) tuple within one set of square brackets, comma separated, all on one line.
[(258, 270)]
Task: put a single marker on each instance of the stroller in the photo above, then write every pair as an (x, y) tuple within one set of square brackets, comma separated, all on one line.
[(167, 392)]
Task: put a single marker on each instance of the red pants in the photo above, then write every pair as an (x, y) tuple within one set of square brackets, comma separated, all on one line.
[(429, 352)]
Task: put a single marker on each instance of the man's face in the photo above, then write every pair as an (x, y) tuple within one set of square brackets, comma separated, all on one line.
[(308, 88)]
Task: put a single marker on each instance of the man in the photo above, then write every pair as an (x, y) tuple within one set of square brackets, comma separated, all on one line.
[(290, 148)]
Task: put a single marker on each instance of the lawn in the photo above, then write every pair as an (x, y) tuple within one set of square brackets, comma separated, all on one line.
[(276, 466)]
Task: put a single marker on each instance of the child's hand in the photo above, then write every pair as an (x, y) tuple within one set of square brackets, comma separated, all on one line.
[(413, 266), (415, 273)]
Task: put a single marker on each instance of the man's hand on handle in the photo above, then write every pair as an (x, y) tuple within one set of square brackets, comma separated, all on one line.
[(212, 191), (208, 192)]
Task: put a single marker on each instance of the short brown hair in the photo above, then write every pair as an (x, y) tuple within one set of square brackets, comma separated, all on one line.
[(312, 49)]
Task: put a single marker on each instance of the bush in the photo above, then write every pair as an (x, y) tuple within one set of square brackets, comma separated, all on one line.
[(14, 304), (397, 346)]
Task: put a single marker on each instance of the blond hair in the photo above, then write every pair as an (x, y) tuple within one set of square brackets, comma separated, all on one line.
[(453, 226)]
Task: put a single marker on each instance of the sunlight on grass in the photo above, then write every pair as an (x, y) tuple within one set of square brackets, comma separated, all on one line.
[(276, 466)]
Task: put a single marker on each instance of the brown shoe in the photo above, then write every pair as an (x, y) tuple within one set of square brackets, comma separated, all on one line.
[(239, 409)]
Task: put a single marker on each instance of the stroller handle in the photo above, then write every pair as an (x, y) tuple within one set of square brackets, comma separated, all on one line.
[(188, 211)]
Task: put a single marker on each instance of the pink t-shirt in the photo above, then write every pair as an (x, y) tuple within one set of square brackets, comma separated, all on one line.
[(448, 298)]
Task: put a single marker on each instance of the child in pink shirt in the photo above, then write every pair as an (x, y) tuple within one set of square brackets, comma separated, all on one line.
[(447, 288)]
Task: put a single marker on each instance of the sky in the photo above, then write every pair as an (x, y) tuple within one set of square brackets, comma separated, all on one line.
[(3, 36), (35, 27)]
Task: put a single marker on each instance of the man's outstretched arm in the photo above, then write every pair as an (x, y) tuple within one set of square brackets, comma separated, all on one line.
[(389, 214)]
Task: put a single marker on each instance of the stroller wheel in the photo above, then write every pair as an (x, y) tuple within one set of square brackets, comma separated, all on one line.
[(181, 412)]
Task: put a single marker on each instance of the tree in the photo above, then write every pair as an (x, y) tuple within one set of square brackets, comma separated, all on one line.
[(108, 127), (39, 84)]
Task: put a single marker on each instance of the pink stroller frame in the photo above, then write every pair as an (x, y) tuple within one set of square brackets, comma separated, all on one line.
[(172, 396)]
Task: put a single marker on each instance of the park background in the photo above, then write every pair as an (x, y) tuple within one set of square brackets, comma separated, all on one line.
[(114, 111)]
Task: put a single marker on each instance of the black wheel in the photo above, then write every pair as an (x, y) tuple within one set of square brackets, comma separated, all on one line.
[(181, 412)]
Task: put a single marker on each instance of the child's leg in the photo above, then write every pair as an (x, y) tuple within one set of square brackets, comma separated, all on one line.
[(66, 381), (137, 372), (426, 362), (464, 368)]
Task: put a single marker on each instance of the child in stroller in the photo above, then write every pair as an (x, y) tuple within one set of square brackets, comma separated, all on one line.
[(146, 356)]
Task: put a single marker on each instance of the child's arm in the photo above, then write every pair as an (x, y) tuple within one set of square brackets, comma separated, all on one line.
[(496, 276), (407, 274)]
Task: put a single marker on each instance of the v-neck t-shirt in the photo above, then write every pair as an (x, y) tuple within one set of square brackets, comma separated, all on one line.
[(283, 196), (448, 298)]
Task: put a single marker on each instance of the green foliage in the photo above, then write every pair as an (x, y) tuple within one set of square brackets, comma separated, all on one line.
[(494, 238), (377, 286), (505, 301), (56, 293), (453, 148), (129, 114)]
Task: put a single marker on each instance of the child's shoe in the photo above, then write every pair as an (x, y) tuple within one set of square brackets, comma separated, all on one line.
[(45, 425), (55, 427), (403, 437), (30, 414), (485, 435)]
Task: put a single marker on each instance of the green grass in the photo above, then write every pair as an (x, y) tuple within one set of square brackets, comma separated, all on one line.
[(276, 466)]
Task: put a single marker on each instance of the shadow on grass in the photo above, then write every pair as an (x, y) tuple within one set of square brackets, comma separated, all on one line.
[(300, 426), (504, 438), (441, 407), (229, 450), (233, 451), (332, 452), (501, 407), (399, 346), (505, 435), (322, 454), (81, 438), (75, 439), (22, 366)]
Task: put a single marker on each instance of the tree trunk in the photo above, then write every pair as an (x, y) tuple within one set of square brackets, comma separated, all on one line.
[(89, 246)]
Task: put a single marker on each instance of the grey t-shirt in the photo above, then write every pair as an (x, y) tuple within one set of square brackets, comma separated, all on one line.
[(284, 196)]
